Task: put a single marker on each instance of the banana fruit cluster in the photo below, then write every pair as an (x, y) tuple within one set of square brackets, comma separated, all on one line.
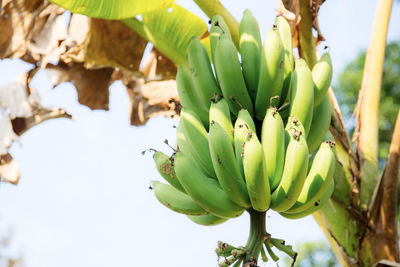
[(251, 130)]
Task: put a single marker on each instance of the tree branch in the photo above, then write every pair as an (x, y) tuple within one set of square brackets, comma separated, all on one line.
[(211, 8), (366, 132)]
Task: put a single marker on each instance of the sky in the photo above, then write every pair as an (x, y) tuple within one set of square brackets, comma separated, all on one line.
[(83, 198)]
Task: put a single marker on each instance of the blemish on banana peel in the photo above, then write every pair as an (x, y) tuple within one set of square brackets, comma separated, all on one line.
[(216, 98), (219, 160), (332, 144), (167, 169)]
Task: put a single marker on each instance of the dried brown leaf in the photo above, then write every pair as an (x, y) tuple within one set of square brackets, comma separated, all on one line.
[(20, 110), (7, 135), (154, 99), (91, 53), (30, 27), (91, 84), (9, 171), (156, 66), (103, 43)]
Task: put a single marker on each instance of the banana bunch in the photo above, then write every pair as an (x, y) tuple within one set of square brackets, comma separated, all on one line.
[(251, 131)]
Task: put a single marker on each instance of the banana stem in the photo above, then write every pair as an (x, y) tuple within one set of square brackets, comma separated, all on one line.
[(307, 49), (256, 236)]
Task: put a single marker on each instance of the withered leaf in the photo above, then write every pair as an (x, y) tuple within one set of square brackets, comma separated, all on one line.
[(29, 27), (92, 84), (154, 99), (156, 66), (103, 43), (9, 171)]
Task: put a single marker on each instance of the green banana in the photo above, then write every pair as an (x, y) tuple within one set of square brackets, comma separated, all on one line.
[(207, 220), (230, 77), (244, 123), (318, 179), (317, 205), (273, 143), (302, 94), (202, 73), (220, 113), (250, 51), (288, 63), (176, 200), (218, 27), (294, 172), (197, 138), (322, 77), (205, 191), (255, 173), (181, 142), (166, 170), (188, 95), (320, 124), (226, 168), (271, 72)]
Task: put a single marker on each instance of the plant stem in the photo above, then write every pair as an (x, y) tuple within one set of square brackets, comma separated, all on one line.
[(256, 236), (367, 110), (307, 49), (212, 8)]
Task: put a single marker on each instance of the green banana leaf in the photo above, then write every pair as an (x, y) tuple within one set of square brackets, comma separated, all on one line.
[(170, 29), (112, 9)]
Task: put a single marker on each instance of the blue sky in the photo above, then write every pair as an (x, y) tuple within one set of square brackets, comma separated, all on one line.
[(83, 197)]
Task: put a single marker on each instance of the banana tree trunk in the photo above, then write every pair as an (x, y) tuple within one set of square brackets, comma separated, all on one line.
[(360, 220)]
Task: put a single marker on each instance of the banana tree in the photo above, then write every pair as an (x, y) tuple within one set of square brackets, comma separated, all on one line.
[(360, 219)]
